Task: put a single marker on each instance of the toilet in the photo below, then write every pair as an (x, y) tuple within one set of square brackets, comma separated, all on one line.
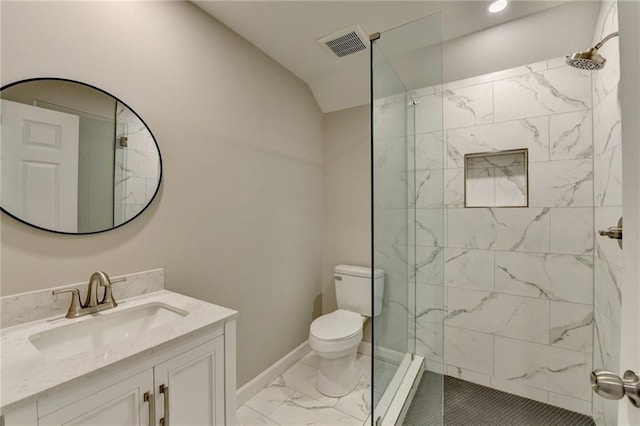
[(335, 337)]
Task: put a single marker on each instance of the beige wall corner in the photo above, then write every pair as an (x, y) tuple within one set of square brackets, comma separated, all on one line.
[(347, 195), (238, 219)]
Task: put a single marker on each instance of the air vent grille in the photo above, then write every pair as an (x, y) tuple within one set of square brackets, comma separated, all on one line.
[(346, 45), (345, 42)]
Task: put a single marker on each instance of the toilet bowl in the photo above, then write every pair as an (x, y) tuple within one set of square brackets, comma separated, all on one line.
[(335, 337)]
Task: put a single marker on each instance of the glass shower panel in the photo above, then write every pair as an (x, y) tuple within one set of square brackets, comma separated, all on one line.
[(390, 218), (408, 199)]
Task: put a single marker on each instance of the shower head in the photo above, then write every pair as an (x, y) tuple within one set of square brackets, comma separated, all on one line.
[(590, 59)]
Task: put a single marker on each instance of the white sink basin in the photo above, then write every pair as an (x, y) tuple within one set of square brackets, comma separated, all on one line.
[(100, 330)]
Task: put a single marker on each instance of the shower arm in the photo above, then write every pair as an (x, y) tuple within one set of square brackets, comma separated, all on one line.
[(606, 39)]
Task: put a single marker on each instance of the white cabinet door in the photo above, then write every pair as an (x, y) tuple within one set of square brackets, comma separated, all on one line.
[(122, 404), (190, 387)]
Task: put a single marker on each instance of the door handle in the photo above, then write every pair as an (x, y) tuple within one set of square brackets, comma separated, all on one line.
[(610, 386)]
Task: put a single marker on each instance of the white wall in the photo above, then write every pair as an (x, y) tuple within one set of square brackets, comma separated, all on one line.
[(239, 215)]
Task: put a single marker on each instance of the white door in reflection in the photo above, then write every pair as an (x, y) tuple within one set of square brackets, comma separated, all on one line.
[(40, 165)]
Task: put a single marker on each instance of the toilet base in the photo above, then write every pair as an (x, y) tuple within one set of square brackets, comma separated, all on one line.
[(338, 376)]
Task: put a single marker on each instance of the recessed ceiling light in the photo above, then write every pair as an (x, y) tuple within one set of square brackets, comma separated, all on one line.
[(497, 6)]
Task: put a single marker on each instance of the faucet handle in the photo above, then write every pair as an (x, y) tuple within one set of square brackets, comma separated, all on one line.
[(108, 293), (75, 306)]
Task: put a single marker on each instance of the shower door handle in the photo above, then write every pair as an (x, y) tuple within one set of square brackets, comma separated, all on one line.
[(610, 386)]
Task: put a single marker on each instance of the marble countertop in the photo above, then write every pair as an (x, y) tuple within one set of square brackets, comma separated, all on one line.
[(26, 373)]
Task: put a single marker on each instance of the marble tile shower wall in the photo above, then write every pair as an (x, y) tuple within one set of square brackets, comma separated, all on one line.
[(136, 172), (608, 209), (517, 283)]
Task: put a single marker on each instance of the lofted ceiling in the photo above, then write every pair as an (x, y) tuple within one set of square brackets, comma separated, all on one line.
[(288, 32)]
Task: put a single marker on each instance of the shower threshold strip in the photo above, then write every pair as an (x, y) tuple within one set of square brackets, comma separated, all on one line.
[(398, 395)]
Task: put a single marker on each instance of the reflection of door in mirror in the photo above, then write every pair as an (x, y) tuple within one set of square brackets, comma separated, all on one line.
[(96, 165), (117, 164), (40, 165)]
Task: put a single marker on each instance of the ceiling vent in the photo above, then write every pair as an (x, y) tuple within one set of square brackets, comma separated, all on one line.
[(345, 42)]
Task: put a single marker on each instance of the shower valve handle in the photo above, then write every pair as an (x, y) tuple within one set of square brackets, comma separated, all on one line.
[(612, 232)]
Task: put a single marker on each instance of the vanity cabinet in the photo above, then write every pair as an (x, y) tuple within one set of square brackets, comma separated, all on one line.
[(119, 404), (187, 389), (190, 383)]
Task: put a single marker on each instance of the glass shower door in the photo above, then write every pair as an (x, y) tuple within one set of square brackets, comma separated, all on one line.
[(391, 227), (408, 213)]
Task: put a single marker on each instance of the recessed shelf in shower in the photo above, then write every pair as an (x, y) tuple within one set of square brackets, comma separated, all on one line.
[(496, 179)]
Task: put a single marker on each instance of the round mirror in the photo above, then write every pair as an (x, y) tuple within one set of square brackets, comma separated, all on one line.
[(74, 159)]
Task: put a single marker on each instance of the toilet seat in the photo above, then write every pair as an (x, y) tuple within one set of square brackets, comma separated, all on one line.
[(336, 326)]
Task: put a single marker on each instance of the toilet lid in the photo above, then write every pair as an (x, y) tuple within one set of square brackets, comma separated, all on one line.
[(337, 325)]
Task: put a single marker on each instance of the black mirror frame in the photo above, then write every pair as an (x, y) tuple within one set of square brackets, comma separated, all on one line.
[(160, 165)]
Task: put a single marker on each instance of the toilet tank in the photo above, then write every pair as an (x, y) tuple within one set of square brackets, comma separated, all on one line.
[(353, 289)]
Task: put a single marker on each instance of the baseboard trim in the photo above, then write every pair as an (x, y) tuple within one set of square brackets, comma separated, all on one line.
[(365, 348), (389, 355), (251, 388), (384, 354)]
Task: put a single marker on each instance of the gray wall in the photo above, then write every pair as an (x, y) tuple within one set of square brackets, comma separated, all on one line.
[(239, 215)]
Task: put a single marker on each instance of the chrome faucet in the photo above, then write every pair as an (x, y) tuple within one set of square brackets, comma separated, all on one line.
[(91, 304)]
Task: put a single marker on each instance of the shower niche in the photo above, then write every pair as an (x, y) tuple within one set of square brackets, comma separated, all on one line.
[(496, 179)]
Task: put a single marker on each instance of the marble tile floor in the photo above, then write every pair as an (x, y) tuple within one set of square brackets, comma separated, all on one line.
[(292, 399)]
